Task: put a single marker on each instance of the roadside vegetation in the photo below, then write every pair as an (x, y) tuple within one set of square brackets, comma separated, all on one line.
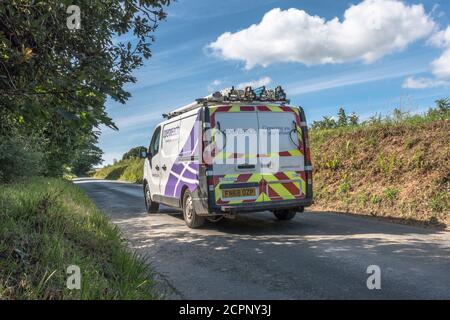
[(54, 84), (55, 81), (396, 166), (129, 168), (48, 224)]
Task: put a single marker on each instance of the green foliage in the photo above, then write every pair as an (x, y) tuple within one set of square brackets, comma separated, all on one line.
[(18, 158), (342, 118), (326, 123), (333, 164), (376, 199), (440, 202), (50, 224), (133, 153), (399, 115), (84, 159), (440, 112), (386, 164), (54, 81), (131, 170), (344, 187), (418, 160), (443, 105), (391, 193), (353, 119)]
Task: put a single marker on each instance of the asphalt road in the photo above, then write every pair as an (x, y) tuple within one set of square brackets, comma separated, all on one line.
[(314, 256)]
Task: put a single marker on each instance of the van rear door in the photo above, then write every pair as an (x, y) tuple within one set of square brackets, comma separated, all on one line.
[(282, 165), (236, 166)]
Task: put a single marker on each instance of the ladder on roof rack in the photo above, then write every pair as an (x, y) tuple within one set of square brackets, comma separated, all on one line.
[(260, 94)]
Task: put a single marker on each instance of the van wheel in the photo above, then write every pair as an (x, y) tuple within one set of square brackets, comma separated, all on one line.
[(284, 214), (190, 217), (150, 205)]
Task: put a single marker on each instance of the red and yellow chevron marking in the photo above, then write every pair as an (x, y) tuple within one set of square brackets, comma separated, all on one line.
[(277, 186), (284, 185)]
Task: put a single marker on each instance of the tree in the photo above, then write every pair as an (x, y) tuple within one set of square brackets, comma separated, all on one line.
[(342, 118), (54, 81), (329, 123), (85, 158), (133, 153), (353, 119), (443, 105)]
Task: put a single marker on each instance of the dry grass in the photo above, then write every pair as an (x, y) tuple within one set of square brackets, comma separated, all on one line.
[(394, 170)]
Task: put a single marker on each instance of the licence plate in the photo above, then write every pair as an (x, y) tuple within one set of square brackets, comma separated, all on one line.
[(241, 192)]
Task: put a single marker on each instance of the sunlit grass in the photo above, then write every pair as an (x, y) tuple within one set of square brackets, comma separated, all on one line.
[(47, 225)]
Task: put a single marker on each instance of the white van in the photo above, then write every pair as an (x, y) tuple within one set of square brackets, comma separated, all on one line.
[(232, 152)]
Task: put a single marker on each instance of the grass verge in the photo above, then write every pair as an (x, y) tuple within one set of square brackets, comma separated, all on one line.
[(126, 170), (46, 225)]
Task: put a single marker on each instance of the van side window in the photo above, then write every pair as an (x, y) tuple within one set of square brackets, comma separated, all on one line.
[(154, 144)]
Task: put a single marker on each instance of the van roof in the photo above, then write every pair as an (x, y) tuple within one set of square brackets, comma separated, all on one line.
[(248, 96)]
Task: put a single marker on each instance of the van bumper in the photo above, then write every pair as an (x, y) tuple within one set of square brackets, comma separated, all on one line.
[(265, 206)]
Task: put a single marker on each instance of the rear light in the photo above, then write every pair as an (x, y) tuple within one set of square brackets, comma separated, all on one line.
[(206, 156), (307, 149)]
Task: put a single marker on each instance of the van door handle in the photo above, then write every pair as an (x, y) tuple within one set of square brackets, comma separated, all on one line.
[(164, 167), (157, 167), (246, 166)]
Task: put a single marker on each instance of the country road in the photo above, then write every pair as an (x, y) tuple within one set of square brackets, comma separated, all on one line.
[(315, 256)]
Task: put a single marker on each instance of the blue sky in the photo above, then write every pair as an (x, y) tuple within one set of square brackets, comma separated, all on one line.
[(322, 63)]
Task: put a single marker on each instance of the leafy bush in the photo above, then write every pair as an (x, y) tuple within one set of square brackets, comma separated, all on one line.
[(133, 153), (18, 158)]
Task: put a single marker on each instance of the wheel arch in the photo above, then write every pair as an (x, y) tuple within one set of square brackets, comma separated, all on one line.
[(183, 191)]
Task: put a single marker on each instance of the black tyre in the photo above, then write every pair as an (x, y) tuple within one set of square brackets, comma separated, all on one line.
[(190, 217), (284, 214), (150, 205)]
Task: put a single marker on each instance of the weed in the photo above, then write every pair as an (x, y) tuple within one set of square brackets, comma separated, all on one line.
[(418, 160), (439, 202), (345, 187), (333, 164), (391, 193), (363, 198), (376, 199), (386, 164)]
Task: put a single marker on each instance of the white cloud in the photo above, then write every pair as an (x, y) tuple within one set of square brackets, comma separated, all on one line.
[(368, 31), (442, 38), (264, 81), (214, 85), (424, 83), (441, 66)]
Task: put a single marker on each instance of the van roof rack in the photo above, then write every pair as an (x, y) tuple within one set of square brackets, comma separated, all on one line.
[(260, 94)]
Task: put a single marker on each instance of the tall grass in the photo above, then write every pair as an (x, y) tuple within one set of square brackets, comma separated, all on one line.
[(47, 225), (126, 170)]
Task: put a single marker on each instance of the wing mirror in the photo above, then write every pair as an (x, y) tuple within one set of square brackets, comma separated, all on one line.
[(144, 154)]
